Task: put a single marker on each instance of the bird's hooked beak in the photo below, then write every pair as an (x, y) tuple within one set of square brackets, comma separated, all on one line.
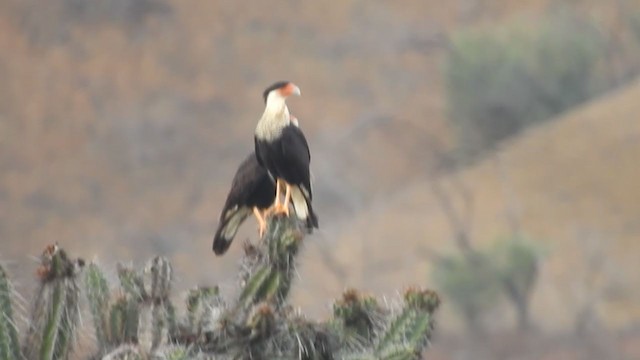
[(291, 89), (295, 91)]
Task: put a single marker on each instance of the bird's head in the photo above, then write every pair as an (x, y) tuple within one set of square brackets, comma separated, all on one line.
[(280, 91)]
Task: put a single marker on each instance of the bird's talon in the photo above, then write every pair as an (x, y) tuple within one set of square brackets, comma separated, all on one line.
[(280, 209)]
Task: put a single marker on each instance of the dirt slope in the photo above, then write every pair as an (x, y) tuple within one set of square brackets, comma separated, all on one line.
[(575, 185)]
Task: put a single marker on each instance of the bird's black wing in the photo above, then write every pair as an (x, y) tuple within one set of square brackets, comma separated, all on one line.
[(238, 205), (297, 156), (247, 178)]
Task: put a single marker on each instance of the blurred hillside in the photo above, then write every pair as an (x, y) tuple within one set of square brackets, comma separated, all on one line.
[(576, 196), (122, 122)]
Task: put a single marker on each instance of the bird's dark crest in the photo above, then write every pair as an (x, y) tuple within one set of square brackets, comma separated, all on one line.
[(274, 86)]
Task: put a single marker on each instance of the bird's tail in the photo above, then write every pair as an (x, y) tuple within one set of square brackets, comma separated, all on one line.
[(302, 205), (228, 227)]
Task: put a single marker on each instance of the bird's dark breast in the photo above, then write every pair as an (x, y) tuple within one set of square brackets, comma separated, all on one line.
[(280, 162), (268, 153), (264, 193)]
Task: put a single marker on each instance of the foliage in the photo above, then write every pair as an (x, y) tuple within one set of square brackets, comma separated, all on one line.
[(502, 80), (517, 260), (470, 284), (138, 320), (475, 281)]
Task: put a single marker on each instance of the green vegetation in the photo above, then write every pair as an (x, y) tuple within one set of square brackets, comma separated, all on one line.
[(138, 320), (516, 259), (502, 80), (9, 346), (469, 283), (55, 310), (476, 280)]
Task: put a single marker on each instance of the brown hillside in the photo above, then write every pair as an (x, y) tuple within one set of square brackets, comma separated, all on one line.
[(575, 183)]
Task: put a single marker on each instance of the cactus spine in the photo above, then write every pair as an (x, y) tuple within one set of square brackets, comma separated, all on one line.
[(9, 346), (97, 290)]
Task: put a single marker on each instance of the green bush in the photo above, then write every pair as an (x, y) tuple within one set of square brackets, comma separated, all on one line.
[(470, 283), (517, 259), (501, 80), (474, 282)]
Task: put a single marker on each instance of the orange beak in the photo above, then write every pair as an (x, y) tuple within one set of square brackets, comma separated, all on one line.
[(290, 89)]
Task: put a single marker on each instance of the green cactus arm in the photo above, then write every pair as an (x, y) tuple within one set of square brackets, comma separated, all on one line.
[(123, 321), (409, 332), (359, 316), (198, 300), (131, 282), (69, 321), (147, 294), (157, 278), (97, 292), (55, 314), (250, 293), (394, 332), (9, 345), (270, 277)]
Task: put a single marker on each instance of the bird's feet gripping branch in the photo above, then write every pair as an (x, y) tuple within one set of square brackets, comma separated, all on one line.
[(280, 208)]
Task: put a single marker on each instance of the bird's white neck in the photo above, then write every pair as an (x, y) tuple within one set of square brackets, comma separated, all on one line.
[(276, 106), (275, 118)]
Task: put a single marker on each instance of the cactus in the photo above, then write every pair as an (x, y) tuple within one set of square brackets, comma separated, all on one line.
[(98, 298), (272, 268), (359, 316), (55, 315), (154, 319), (9, 346), (137, 319), (204, 308), (407, 335)]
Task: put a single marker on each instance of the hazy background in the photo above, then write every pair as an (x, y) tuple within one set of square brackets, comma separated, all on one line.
[(484, 148)]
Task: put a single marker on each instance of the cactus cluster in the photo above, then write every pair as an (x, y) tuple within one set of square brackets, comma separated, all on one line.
[(137, 319)]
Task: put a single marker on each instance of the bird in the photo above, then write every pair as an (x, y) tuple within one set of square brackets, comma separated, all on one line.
[(282, 149), (252, 190)]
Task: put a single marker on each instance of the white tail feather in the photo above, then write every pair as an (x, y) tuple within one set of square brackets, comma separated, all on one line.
[(299, 203), (234, 223)]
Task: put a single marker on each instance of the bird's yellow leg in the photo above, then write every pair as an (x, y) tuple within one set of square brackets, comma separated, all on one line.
[(262, 224), (284, 208), (287, 199), (276, 204)]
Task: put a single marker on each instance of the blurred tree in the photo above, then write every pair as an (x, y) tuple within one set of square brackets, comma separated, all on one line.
[(470, 283), (503, 80), (517, 259)]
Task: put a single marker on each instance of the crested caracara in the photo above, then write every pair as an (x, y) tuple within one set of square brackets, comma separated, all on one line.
[(252, 190), (282, 149)]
